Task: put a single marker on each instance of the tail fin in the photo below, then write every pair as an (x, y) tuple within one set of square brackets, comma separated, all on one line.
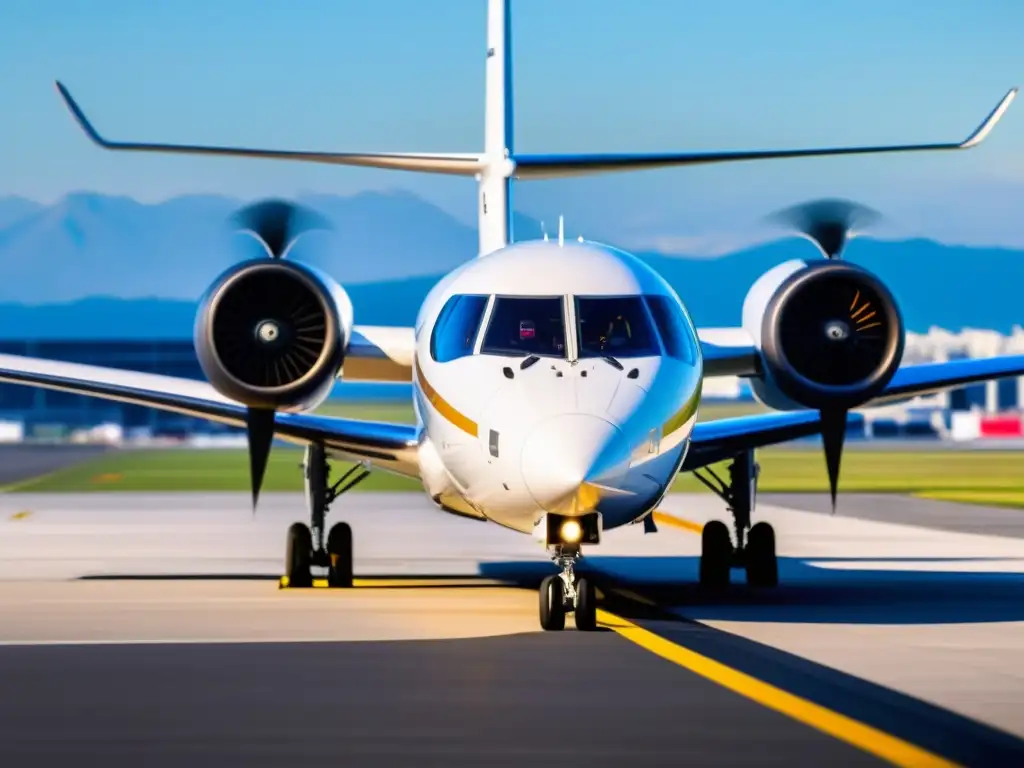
[(499, 117), (495, 168), (495, 203)]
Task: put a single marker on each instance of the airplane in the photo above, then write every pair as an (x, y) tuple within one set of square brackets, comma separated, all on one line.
[(556, 384)]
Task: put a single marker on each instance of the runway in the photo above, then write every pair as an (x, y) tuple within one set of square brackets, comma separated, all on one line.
[(899, 643)]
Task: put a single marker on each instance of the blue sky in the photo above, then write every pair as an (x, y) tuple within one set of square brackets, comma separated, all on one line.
[(590, 75)]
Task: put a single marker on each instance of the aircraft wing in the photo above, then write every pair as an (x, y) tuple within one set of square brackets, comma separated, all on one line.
[(380, 353), (717, 440), (387, 446), (728, 352)]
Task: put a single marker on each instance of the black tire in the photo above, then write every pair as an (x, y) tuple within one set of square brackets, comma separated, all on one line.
[(298, 553), (585, 614), (762, 562), (339, 550), (716, 555), (552, 604)]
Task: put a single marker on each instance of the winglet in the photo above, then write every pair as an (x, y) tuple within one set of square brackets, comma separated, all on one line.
[(79, 115), (986, 127)]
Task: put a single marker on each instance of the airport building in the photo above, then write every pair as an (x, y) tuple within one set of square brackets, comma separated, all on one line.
[(52, 413)]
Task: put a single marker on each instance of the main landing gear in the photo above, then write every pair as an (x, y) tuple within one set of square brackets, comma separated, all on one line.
[(306, 545), (755, 546)]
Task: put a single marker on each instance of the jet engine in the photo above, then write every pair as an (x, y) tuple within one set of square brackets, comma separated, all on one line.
[(272, 334), (830, 334)]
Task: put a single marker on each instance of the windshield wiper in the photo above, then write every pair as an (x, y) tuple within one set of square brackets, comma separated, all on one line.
[(530, 360), (612, 361)]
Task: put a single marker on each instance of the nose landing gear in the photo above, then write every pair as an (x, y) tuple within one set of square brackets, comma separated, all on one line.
[(755, 546), (566, 592), (307, 545)]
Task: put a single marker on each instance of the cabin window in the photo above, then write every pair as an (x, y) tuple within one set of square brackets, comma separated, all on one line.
[(522, 326), (675, 329), (455, 331), (615, 326)]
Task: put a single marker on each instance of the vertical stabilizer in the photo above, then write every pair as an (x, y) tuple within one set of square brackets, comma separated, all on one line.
[(495, 203)]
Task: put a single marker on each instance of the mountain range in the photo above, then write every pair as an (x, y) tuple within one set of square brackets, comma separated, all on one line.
[(99, 266)]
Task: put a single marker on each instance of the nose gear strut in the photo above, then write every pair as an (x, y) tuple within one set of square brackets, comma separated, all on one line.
[(566, 592)]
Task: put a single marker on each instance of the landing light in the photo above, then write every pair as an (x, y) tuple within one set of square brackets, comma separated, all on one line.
[(571, 532)]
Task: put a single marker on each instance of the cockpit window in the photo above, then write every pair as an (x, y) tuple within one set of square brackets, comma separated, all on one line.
[(675, 330), (455, 331), (526, 326), (615, 327)]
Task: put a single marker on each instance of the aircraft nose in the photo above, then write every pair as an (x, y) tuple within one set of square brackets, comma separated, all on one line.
[(570, 460)]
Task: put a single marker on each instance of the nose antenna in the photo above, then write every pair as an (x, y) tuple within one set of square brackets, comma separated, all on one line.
[(544, 231)]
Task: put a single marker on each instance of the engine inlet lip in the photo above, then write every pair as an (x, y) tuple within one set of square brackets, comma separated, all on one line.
[(797, 386), (286, 270)]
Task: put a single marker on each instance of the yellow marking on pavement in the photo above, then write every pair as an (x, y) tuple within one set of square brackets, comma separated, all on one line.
[(994, 497), (853, 732), (25, 514), (382, 583), (678, 522), (17, 485)]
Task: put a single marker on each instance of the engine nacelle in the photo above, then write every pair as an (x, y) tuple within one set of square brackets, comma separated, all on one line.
[(273, 334), (829, 333)]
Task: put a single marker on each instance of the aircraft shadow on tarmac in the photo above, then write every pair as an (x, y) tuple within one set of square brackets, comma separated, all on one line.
[(806, 593), (809, 594)]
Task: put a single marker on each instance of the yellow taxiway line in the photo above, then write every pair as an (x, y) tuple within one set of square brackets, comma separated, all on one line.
[(398, 583), (857, 734), (675, 521)]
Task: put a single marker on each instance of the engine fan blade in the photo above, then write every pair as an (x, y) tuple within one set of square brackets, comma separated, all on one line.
[(277, 224), (259, 424), (833, 435), (829, 223)]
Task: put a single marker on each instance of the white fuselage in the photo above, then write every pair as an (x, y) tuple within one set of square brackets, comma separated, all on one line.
[(599, 418)]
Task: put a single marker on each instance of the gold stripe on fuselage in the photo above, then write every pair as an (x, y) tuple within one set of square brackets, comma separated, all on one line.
[(683, 415), (443, 407)]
